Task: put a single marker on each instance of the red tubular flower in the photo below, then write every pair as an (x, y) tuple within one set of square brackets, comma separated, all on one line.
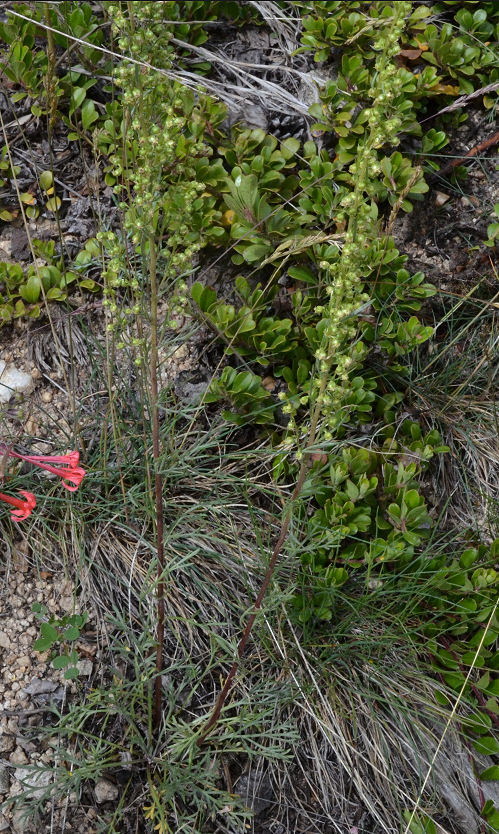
[(73, 474), (71, 459), (70, 472), (22, 508)]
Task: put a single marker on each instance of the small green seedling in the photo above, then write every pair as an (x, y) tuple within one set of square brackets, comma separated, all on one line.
[(60, 635)]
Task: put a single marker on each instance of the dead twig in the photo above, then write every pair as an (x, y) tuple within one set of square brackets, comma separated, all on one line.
[(487, 143), (462, 100)]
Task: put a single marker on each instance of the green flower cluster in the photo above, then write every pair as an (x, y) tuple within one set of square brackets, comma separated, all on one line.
[(161, 194), (338, 354)]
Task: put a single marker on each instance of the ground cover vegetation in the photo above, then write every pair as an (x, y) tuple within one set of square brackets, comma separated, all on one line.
[(294, 568)]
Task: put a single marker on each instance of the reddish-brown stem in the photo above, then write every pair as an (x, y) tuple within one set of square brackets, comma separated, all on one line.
[(158, 489), (256, 607), (488, 143), (268, 573)]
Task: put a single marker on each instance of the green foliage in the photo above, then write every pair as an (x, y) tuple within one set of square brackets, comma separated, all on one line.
[(491, 814), (460, 55), (370, 516), (456, 50), (27, 62), (248, 331), (7, 172), (22, 291), (420, 823), (256, 152), (59, 636), (493, 229), (181, 784), (257, 226), (287, 344), (461, 625), (159, 152), (245, 392), (339, 337)]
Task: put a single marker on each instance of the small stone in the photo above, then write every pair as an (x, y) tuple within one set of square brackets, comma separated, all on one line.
[(4, 640), (23, 662), (85, 667), (269, 383), (40, 687), (441, 198), (66, 603), (47, 396), (34, 782), (36, 373), (31, 426), (13, 381), (19, 816), (18, 757), (4, 780), (255, 791), (7, 742), (105, 791)]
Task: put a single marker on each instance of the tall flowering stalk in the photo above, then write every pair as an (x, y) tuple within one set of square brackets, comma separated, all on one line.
[(335, 356), (163, 131)]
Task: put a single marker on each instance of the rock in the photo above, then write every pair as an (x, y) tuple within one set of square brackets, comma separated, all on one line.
[(18, 757), (7, 742), (311, 83), (4, 825), (40, 687), (105, 791), (4, 640), (66, 603), (13, 382), (250, 113), (19, 821), (441, 198), (191, 392), (85, 667), (34, 782), (4, 780), (255, 789)]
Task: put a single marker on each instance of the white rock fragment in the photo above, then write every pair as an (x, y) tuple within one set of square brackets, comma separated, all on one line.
[(311, 83), (441, 198), (18, 757), (40, 687), (13, 382), (34, 782), (7, 742), (85, 667), (105, 791)]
